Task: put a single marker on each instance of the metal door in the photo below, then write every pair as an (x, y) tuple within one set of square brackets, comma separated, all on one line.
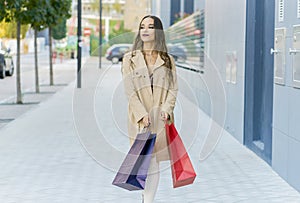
[(259, 72)]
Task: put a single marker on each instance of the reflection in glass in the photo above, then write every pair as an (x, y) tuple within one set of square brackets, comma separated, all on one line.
[(296, 57), (279, 56)]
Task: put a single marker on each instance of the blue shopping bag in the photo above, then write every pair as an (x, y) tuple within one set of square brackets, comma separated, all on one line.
[(133, 171)]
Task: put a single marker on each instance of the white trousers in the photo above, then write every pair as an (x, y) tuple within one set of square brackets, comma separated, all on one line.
[(151, 181)]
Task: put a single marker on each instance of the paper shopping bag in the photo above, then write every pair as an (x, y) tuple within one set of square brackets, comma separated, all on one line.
[(133, 171), (183, 172)]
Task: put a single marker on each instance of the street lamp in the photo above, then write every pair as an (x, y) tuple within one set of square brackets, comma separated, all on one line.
[(79, 45), (100, 33)]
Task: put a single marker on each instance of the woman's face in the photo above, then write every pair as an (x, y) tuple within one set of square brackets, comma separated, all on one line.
[(147, 31)]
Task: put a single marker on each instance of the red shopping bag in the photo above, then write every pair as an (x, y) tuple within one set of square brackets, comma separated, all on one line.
[(183, 172)]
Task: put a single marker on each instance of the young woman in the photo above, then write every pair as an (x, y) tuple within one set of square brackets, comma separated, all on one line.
[(151, 87)]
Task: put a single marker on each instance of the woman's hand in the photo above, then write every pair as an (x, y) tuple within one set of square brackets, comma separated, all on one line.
[(164, 115), (146, 121)]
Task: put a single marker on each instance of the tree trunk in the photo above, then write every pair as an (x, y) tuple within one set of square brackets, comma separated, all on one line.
[(51, 56), (37, 86), (18, 72)]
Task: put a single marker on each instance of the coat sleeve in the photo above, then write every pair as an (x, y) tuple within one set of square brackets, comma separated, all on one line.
[(169, 105), (135, 105)]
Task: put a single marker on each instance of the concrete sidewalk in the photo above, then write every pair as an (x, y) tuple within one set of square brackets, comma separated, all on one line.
[(64, 73), (69, 148)]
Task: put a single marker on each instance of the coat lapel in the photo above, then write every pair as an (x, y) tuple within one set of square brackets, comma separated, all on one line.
[(140, 62), (158, 63)]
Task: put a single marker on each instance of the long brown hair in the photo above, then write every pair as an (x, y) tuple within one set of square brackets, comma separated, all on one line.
[(160, 41)]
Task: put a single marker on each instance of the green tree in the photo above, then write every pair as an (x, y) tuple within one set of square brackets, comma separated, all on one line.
[(14, 11), (51, 14), (35, 14), (118, 32), (38, 13), (57, 11), (60, 30)]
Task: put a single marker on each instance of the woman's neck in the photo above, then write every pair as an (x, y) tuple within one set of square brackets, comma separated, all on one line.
[(148, 48)]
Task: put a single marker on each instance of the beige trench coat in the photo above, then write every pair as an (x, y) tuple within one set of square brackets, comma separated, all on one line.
[(142, 101)]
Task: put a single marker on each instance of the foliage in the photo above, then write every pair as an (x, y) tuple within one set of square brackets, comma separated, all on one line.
[(94, 46), (36, 14), (9, 30), (118, 30), (59, 31), (39, 13), (46, 13), (13, 11), (58, 11)]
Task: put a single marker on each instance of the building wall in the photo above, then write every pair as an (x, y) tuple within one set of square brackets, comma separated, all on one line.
[(286, 109), (225, 56), (162, 9), (224, 74), (134, 11), (165, 12), (188, 6), (225, 36), (175, 10), (170, 10), (199, 5), (221, 80)]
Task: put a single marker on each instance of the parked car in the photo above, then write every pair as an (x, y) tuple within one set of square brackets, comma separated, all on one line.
[(177, 52), (116, 52), (6, 61)]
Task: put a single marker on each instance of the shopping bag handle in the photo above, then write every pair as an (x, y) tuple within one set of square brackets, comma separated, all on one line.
[(146, 128), (167, 121)]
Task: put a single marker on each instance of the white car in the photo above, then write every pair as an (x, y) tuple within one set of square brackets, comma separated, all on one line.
[(6, 61)]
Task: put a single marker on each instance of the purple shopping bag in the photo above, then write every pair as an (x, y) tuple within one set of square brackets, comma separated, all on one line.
[(133, 171)]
